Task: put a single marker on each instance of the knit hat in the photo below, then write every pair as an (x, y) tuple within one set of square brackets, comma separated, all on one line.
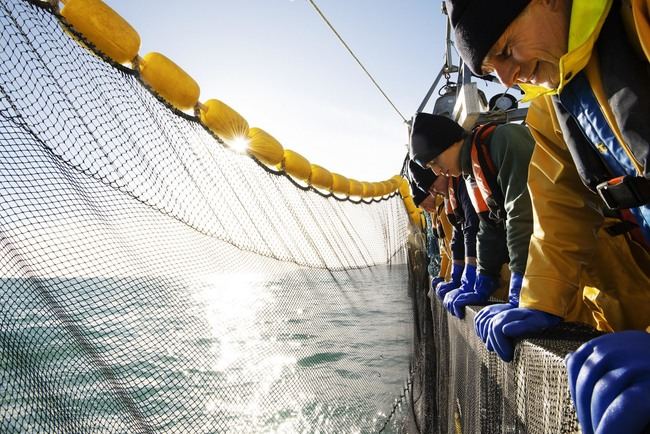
[(423, 178), (431, 135), (478, 24), (418, 194)]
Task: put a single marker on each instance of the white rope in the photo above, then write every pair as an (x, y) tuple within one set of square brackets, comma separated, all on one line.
[(357, 59)]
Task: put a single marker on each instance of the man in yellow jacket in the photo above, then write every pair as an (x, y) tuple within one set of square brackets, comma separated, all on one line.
[(584, 64)]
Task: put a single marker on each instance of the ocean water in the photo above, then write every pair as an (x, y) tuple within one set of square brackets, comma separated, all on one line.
[(300, 351)]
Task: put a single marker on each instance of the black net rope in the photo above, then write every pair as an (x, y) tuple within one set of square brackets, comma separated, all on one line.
[(152, 280)]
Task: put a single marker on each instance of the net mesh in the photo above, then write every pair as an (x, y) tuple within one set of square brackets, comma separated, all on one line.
[(484, 394), (154, 281)]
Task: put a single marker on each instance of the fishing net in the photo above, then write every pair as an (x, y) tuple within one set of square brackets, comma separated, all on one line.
[(483, 394), (152, 280)]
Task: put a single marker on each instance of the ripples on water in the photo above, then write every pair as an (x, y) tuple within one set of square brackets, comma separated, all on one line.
[(249, 353)]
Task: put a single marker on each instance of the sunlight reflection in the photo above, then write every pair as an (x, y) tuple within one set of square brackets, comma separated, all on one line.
[(239, 144), (237, 307), (233, 302)]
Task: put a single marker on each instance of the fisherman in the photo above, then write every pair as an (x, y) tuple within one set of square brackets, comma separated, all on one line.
[(493, 162), (427, 202), (430, 203), (585, 65), (464, 220)]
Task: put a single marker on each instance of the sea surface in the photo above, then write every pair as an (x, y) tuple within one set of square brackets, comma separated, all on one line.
[(262, 352)]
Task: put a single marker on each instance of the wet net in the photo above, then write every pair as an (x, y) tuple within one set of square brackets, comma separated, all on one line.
[(154, 281)]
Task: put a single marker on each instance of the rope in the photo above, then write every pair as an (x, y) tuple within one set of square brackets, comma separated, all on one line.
[(357, 59)]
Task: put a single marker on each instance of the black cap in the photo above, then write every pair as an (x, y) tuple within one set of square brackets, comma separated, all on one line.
[(431, 135), (418, 194), (422, 177), (478, 24)]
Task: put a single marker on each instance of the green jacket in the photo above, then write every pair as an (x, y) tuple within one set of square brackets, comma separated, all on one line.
[(511, 147)]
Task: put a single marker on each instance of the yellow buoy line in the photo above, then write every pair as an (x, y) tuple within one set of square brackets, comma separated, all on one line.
[(116, 39)]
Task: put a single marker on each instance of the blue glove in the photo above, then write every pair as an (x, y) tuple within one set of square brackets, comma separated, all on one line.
[(609, 380), (434, 282), (485, 315), (448, 301), (483, 288), (466, 285), (514, 323), (445, 287), (516, 279), (483, 318)]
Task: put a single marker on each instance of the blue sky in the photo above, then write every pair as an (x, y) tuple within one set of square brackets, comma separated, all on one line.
[(277, 64)]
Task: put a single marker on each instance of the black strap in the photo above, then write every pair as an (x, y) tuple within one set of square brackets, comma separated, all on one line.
[(625, 192), (620, 228)]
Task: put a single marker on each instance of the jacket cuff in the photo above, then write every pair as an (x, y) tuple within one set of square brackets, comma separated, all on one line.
[(549, 295)]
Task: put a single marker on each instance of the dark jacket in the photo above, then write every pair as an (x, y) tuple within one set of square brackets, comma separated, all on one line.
[(511, 147), (463, 243)]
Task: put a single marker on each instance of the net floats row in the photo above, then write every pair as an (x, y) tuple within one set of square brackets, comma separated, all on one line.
[(114, 37)]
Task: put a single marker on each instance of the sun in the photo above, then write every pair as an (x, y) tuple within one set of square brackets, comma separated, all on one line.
[(239, 144)]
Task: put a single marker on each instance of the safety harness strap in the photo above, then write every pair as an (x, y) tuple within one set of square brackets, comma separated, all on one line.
[(485, 174), (625, 191)]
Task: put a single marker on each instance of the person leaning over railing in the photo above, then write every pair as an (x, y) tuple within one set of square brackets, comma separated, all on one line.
[(493, 163), (430, 137), (426, 201), (423, 189), (585, 64), (433, 242), (463, 234)]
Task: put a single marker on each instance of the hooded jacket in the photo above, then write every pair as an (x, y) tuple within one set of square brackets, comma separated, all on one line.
[(576, 269)]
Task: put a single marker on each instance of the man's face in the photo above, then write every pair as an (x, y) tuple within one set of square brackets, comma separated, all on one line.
[(440, 186), (448, 162), (428, 204), (529, 50)]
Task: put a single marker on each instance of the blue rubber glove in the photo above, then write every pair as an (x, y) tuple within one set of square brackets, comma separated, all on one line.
[(485, 315), (466, 285), (514, 323), (445, 287), (434, 282), (483, 288), (448, 301), (483, 318), (516, 279), (609, 380)]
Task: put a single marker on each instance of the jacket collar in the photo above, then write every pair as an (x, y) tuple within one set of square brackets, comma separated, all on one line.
[(587, 19)]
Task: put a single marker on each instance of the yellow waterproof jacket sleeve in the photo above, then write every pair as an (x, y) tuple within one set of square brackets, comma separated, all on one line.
[(445, 245), (575, 268), (566, 218)]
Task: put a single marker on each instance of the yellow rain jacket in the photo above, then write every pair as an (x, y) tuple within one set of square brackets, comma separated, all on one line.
[(575, 269), (446, 261), (445, 246)]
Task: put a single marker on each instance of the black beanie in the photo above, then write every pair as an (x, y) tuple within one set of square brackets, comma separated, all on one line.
[(418, 194), (422, 177), (431, 135), (478, 24)]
